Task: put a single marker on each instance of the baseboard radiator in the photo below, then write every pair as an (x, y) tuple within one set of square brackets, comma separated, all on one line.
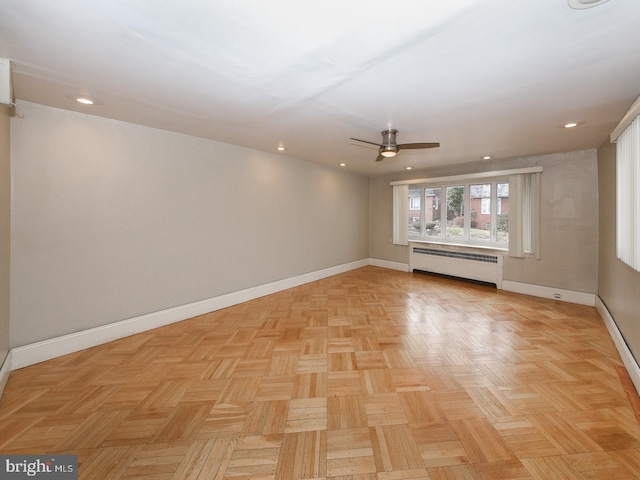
[(485, 268)]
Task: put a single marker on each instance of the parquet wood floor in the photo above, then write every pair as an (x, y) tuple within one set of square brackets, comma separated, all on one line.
[(372, 374)]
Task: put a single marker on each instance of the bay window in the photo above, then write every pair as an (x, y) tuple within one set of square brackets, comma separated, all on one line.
[(492, 209), (470, 212)]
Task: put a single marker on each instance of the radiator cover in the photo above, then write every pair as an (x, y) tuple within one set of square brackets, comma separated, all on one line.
[(462, 264)]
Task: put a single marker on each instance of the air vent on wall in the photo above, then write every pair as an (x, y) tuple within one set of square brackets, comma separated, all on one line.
[(444, 261)]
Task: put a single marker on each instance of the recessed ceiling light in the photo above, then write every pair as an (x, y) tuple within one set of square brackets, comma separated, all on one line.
[(408, 168), (571, 124), (84, 99), (487, 157), (281, 148), (343, 164)]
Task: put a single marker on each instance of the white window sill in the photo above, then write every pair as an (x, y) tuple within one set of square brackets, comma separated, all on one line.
[(471, 247)]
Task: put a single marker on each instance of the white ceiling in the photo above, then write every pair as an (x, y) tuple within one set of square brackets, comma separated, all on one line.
[(494, 77)]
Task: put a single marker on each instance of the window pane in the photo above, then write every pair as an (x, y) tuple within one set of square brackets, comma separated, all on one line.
[(480, 207), (414, 212), (455, 212), (432, 211), (486, 206), (503, 212)]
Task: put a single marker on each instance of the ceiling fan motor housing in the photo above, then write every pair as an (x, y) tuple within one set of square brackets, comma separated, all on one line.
[(389, 138), (389, 146)]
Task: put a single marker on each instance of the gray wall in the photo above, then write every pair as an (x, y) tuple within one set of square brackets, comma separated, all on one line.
[(113, 220), (618, 284), (5, 235), (568, 215)]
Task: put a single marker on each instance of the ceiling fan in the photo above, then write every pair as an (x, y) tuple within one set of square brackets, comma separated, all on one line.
[(390, 147)]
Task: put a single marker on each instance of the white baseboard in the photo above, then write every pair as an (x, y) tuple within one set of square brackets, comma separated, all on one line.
[(26, 355), (5, 370), (621, 345), (376, 262), (552, 293), (56, 347)]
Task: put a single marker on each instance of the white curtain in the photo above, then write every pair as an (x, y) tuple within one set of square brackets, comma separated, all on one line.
[(400, 214), (524, 215), (628, 195)]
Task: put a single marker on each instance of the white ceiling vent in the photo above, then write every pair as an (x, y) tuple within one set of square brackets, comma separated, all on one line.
[(580, 4)]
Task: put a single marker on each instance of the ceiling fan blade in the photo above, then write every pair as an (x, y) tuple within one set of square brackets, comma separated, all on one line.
[(365, 141), (380, 158), (410, 146)]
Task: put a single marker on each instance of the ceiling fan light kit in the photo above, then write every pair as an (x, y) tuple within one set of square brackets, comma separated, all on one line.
[(388, 153), (390, 147)]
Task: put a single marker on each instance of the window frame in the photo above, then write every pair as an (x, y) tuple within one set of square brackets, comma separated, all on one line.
[(524, 208), (466, 183), (485, 205)]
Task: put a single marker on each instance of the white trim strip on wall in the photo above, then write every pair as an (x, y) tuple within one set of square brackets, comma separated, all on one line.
[(552, 293), (376, 262), (5, 371), (56, 347), (621, 345), (41, 351)]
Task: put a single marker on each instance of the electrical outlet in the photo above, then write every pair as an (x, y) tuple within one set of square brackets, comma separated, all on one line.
[(557, 296)]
